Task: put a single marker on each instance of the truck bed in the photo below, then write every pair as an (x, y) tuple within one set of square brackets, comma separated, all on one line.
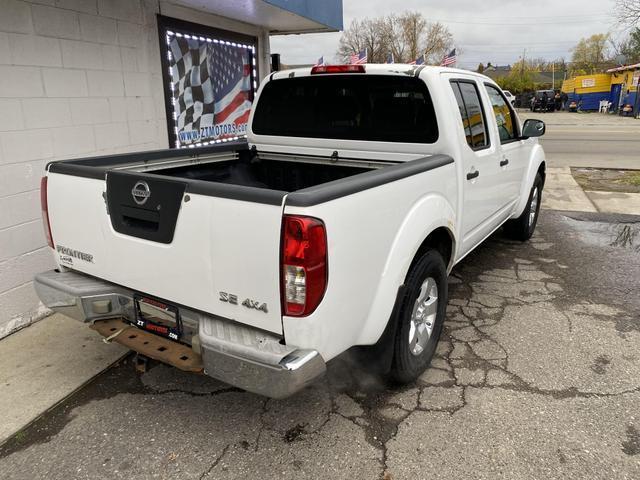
[(237, 172), (229, 164), (283, 175), (202, 216)]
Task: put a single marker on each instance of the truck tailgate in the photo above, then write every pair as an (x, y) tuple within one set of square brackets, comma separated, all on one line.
[(180, 246)]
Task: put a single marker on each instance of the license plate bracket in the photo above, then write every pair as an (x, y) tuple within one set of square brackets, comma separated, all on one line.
[(157, 316)]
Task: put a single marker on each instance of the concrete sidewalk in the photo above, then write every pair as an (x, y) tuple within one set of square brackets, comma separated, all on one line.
[(615, 202), (562, 192), (45, 363)]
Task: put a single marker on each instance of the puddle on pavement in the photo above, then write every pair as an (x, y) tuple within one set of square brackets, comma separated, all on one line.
[(604, 234)]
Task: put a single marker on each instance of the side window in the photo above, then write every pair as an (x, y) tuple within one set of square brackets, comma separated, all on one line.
[(463, 112), (504, 117), (472, 101), (468, 99)]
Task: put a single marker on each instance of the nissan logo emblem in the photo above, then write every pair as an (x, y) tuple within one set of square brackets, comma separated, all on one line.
[(141, 192)]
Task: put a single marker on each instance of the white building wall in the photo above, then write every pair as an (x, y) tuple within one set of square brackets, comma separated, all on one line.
[(77, 78)]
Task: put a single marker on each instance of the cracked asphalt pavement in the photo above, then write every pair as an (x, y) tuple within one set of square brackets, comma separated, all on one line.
[(537, 376)]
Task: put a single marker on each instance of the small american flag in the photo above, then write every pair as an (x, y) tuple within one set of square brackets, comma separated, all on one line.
[(449, 59), (418, 61), (231, 75), (320, 61), (358, 58)]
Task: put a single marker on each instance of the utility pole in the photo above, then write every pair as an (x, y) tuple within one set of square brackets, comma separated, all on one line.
[(524, 53), (553, 75)]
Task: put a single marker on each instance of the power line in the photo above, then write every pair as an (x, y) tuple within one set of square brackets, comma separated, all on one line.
[(503, 48), (512, 24), (517, 43), (527, 24), (528, 17)]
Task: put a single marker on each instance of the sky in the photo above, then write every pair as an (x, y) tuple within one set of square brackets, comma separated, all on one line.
[(496, 32)]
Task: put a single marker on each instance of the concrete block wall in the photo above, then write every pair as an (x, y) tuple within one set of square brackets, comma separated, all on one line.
[(77, 78)]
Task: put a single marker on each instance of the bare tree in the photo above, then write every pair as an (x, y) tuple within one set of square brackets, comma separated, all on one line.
[(438, 42), (364, 34), (627, 50), (413, 27), (407, 36), (628, 12), (394, 35)]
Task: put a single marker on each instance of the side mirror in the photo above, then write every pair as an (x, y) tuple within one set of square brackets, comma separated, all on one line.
[(533, 128)]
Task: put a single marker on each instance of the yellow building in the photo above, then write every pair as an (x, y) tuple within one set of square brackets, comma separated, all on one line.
[(624, 86), (589, 89), (617, 85)]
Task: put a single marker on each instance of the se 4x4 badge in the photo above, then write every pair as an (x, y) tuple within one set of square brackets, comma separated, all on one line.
[(247, 302)]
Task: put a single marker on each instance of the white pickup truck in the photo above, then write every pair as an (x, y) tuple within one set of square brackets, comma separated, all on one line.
[(334, 227)]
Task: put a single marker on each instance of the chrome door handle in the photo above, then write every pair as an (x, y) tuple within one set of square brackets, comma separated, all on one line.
[(504, 162), (472, 175)]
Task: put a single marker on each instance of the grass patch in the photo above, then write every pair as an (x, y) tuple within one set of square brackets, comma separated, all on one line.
[(634, 178), (607, 180)]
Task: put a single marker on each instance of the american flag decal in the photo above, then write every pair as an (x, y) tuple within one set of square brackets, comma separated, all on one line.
[(212, 88), (231, 83)]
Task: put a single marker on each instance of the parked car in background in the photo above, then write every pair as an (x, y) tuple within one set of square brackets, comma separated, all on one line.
[(543, 101), (510, 97), (335, 226)]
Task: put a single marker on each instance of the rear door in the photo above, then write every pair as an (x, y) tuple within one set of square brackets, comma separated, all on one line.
[(481, 195), (217, 251)]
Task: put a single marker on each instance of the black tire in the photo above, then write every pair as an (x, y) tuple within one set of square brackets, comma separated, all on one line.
[(522, 228), (407, 366)]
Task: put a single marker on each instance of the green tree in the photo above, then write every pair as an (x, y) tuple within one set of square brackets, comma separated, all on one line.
[(629, 48), (591, 54), (519, 80)]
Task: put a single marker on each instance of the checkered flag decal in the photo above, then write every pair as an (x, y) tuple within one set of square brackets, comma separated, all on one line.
[(191, 84)]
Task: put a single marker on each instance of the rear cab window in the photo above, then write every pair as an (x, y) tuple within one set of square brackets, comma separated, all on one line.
[(382, 108)]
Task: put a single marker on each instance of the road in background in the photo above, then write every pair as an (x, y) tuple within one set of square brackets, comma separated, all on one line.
[(589, 139)]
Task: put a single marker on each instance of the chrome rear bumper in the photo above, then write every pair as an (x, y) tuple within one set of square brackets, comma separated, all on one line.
[(242, 356)]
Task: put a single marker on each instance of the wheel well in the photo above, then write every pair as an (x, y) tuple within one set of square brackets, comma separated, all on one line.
[(441, 240), (379, 356), (542, 170)]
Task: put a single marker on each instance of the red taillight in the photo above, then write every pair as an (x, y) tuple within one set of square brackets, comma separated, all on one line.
[(304, 264), (337, 69), (45, 211)]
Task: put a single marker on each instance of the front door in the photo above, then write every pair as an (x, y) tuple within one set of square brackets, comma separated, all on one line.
[(513, 151)]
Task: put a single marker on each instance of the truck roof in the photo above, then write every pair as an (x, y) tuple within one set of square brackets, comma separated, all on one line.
[(384, 69)]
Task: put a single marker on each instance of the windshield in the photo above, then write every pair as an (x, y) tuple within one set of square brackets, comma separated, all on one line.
[(348, 107)]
